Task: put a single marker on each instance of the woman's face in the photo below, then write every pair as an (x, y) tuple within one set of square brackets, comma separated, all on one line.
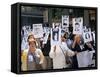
[(32, 43)]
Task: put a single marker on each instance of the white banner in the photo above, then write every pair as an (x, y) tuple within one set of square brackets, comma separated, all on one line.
[(37, 30), (77, 25)]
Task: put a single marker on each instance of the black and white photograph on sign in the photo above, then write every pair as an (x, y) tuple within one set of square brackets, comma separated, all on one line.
[(87, 35), (77, 25), (38, 30), (55, 33), (65, 23), (53, 38)]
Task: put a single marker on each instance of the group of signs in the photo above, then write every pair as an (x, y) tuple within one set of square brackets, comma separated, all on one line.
[(39, 31)]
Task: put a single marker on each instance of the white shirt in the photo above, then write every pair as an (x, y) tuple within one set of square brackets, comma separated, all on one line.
[(58, 56)]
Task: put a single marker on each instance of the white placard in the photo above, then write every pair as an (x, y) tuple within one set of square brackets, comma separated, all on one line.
[(37, 30), (85, 58), (65, 23), (46, 29), (46, 32), (77, 25), (25, 32), (87, 36), (24, 43), (56, 34)]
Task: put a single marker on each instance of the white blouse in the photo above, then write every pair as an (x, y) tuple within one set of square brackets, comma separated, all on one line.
[(58, 56)]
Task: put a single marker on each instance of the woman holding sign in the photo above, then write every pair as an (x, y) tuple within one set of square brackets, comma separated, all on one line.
[(58, 53)]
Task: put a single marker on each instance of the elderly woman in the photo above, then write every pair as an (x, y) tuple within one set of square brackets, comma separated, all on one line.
[(57, 53), (32, 58)]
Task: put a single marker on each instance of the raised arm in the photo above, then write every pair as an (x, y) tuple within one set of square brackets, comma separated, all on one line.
[(52, 52)]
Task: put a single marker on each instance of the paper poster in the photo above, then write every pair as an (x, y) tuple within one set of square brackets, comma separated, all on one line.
[(24, 43), (87, 36), (24, 35), (56, 34), (46, 32), (65, 23), (77, 25), (84, 58), (45, 37), (46, 29), (37, 30), (26, 30)]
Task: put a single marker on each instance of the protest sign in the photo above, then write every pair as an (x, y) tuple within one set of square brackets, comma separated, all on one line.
[(65, 23), (77, 25), (56, 34), (37, 30)]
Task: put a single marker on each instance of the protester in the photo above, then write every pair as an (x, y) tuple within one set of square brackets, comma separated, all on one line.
[(32, 58), (46, 49), (57, 54)]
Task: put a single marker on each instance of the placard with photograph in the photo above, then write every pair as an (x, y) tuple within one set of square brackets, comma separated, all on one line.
[(37, 30), (65, 23), (87, 36), (77, 25), (56, 34)]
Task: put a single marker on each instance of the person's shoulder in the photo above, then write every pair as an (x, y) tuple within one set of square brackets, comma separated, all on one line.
[(25, 52)]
